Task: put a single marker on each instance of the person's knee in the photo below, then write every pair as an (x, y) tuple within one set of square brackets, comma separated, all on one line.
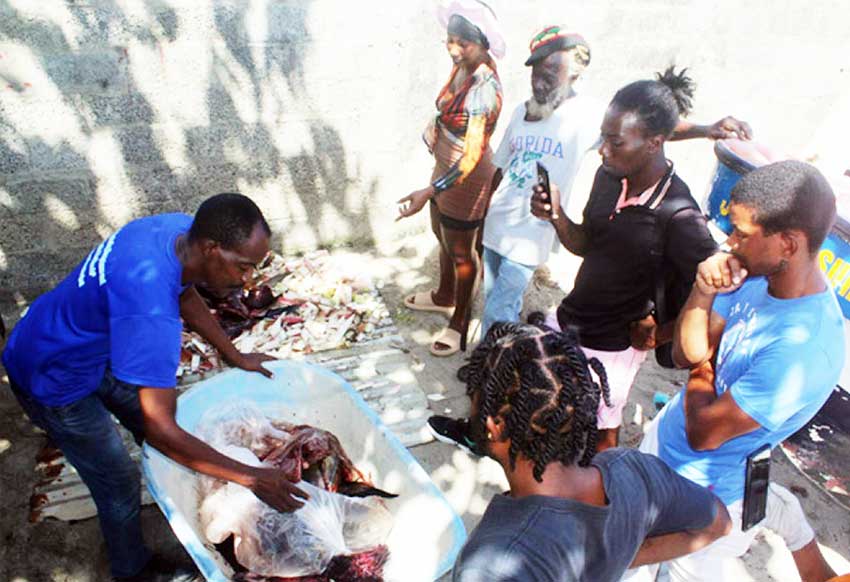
[(784, 515), (463, 260)]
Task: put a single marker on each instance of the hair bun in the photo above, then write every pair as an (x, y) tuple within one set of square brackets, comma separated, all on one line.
[(682, 87)]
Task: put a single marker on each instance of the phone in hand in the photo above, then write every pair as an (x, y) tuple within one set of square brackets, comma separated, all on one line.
[(543, 180), (755, 488)]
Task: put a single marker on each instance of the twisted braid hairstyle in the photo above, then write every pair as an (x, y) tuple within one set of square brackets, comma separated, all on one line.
[(538, 381)]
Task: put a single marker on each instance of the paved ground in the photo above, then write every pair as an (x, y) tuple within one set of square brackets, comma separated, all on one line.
[(73, 552)]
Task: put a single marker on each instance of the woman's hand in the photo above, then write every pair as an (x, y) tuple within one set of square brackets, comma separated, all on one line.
[(642, 333), (544, 205), (729, 127), (414, 202)]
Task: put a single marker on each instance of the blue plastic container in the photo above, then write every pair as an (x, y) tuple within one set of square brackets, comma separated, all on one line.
[(730, 168), (427, 534)]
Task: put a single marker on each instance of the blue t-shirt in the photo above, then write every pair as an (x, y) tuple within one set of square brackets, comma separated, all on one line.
[(553, 539), (780, 359), (119, 308)]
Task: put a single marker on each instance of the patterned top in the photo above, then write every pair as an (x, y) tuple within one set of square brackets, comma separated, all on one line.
[(469, 117)]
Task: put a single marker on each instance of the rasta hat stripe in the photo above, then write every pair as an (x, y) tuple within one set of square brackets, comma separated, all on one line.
[(552, 39)]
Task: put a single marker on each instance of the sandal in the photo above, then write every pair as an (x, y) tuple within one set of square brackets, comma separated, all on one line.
[(424, 301), (452, 339)]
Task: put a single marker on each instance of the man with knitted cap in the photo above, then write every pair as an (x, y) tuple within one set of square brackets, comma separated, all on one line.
[(555, 128)]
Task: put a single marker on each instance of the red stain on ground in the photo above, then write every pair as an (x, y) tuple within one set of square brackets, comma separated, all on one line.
[(48, 454)]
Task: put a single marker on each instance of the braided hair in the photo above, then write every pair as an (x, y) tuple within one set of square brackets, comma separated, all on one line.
[(538, 381)]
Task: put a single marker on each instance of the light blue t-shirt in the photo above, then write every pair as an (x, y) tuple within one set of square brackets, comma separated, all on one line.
[(119, 308), (780, 359)]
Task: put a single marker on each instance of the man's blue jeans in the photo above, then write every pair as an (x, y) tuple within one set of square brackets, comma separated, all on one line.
[(86, 434), (504, 286)]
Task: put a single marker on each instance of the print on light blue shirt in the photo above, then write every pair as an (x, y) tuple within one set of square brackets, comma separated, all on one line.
[(779, 359)]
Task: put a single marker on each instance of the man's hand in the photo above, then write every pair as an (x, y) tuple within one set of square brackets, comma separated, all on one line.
[(642, 333), (163, 433), (544, 206), (254, 363), (719, 273), (274, 488), (730, 127), (414, 202)]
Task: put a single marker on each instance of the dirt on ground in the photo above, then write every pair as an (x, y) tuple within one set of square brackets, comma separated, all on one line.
[(74, 552)]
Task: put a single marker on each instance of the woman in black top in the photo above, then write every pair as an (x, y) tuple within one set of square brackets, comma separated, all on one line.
[(611, 303)]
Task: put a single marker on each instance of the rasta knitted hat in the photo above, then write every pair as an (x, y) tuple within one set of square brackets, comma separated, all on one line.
[(552, 39)]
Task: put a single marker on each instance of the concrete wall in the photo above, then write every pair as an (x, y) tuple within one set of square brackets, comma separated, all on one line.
[(114, 109)]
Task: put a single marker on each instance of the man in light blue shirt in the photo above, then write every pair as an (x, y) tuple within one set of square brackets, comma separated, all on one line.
[(764, 337)]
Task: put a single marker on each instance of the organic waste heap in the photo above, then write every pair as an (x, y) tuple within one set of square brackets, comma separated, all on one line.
[(291, 307)]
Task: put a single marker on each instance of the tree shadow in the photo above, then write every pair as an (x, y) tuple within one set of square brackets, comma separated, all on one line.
[(128, 149), (90, 139)]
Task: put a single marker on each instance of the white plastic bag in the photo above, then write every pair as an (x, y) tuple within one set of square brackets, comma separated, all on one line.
[(266, 541), (240, 424)]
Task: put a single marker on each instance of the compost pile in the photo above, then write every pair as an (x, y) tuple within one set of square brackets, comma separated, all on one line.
[(291, 307), (339, 533)]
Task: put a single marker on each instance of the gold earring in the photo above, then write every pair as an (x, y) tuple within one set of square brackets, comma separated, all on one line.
[(489, 435)]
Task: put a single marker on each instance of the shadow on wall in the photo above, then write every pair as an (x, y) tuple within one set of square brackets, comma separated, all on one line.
[(109, 112)]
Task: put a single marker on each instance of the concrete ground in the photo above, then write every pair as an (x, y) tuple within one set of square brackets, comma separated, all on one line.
[(74, 552)]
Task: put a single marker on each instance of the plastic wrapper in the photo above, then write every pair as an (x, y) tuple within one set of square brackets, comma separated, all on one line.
[(266, 541)]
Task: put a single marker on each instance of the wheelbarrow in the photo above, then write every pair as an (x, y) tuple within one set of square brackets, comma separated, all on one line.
[(427, 534)]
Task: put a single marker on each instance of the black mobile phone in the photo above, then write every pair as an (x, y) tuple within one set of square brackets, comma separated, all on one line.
[(755, 488), (543, 180)]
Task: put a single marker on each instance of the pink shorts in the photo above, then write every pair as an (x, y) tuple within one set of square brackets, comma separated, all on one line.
[(621, 368)]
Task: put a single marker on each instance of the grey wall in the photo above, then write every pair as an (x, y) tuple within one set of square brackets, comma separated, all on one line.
[(111, 110)]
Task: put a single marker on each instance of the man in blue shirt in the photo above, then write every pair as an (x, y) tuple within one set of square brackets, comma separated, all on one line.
[(571, 515), (106, 341), (763, 334)]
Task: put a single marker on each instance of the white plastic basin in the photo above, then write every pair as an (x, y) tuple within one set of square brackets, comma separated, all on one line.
[(427, 534)]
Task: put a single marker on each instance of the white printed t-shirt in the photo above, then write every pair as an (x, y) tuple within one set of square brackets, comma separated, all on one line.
[(559, 142)]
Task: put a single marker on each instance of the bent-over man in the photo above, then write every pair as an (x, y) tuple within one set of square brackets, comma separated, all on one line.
[(106, 341)]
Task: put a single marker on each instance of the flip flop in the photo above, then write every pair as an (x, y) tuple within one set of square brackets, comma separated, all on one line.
[(424, 301), (450, 338)]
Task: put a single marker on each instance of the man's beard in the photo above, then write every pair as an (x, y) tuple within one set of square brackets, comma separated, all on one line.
[(538, 110)]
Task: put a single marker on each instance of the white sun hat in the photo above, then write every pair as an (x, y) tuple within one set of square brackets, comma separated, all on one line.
[(481, 15)]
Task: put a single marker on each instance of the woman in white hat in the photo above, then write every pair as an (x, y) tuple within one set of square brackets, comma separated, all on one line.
[(468, 108)]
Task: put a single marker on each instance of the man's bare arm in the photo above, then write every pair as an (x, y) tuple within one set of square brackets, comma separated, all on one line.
[(722, 129), (697, 332), (711, 421), (698, 329), (197, 316), (674, 545), (163, 433)]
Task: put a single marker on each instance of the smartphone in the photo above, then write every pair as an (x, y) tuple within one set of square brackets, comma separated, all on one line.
[(543, 180), (755, 488)]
